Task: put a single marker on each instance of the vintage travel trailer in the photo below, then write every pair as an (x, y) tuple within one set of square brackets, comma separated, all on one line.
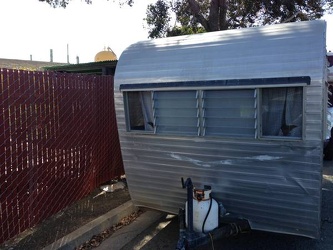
[(241, 110)]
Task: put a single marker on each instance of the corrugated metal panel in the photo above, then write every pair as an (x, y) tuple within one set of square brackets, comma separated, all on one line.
[(275, 184), (270, 51)]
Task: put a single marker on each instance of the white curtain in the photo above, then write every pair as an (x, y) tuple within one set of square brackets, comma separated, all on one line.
[(282, 110), (147, 110)]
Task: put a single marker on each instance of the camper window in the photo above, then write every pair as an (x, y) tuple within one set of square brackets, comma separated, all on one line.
[(176, 112), (217, 112), (282, 112), (230, 113), (139, 110)]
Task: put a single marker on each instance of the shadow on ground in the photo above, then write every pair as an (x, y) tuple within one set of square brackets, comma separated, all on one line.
[(68, 220)]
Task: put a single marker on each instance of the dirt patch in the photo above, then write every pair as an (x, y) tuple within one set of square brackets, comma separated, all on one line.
[(68, 220)]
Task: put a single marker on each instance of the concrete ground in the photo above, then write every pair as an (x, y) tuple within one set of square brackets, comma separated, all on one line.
[(159, 231), (84, 233), (127, 234)]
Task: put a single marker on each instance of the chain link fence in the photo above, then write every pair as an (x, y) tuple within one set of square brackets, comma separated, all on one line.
[(59, 141)]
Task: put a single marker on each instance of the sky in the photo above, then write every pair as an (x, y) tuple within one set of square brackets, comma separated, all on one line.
[(31, 29)]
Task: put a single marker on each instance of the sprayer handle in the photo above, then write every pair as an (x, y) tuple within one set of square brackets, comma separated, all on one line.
[(187, 183)]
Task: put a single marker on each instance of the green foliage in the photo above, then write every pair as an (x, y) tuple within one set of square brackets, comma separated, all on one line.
[(160, 15), (196, 16), (184, 30), (244, 14), (61, 3), (158, 18), (64, 3), (329, 6)]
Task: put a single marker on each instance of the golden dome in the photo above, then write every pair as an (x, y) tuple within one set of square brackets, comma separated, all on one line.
[(105, 55)]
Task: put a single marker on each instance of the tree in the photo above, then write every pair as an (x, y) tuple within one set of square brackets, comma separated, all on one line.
[(158, 18), (193, 16)]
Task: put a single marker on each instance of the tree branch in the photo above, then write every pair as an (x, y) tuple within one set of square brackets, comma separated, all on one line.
[(223, 15), (195, 9), (218, 15), (214, 15)]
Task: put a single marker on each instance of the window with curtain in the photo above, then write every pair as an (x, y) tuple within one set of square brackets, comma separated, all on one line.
[(139, 110), (219, 112), (282, 112)]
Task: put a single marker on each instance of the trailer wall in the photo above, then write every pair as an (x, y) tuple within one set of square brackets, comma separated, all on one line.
[(273, 182)]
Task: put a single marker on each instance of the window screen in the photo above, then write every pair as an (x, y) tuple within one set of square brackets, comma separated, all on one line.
[(230, 112)]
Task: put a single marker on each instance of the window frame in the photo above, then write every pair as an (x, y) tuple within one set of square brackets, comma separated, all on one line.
[(254, 101), (174, 125), (260, 122), (127, 116), (200, 86)]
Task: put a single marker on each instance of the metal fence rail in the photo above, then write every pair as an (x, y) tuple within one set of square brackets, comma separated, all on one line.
[(58, 141)]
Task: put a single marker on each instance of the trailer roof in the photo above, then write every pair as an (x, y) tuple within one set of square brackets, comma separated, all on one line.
[(231, 54)]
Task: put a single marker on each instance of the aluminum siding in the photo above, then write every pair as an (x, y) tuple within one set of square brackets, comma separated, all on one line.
[(274, 184)]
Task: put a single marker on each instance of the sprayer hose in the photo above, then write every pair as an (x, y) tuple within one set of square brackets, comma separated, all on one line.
[(210, 206)]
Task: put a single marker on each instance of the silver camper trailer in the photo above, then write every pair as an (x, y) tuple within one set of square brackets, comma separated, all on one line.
[(241, 110)]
